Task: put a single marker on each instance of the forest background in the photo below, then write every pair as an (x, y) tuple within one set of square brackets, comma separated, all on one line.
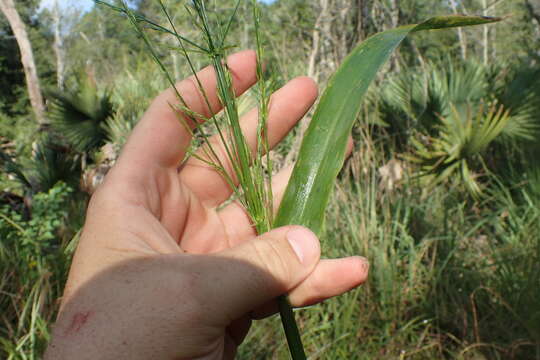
[(442, 193)]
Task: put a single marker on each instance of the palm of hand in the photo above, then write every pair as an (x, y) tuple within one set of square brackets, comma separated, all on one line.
[(148, 208)]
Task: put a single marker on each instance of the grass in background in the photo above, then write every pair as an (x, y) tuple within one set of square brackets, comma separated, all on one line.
[(447, 280), (33, 267), (450, 277)]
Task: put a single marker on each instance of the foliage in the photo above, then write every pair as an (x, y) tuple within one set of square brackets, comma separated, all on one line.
[(445, 282), (451, 276), (48, 164), (36, 236), (101, 45), (79, 115), (33, 265), (51, 163), (452, 119), (516, 88), (459, 143), (13, 97), (131, 96)]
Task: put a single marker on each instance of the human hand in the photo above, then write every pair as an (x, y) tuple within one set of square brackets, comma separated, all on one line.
[(160, 272)]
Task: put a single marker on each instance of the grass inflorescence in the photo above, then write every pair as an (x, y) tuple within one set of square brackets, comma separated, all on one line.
[(252, 171)]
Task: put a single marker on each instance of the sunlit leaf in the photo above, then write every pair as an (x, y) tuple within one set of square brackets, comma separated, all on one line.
[(322, 152)]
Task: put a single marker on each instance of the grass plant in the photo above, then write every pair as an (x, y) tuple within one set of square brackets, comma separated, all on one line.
[(323, 148), (251, 170), (33, 268), (451, 277)]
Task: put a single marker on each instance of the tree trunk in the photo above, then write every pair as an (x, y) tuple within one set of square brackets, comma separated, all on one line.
[(315, 42), (485, 37), (58, 46), (394, 17), (461, 34), (27, 58)]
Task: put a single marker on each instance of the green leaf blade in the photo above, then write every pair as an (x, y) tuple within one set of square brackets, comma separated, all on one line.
[(322, 151), (323, 147), (450, 21)]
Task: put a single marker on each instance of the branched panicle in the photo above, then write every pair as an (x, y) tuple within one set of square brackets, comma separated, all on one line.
[(247, 165), (251, 170), (262, 133)]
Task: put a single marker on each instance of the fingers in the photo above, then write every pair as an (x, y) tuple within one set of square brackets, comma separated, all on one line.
[(273, 264), (236, 220), (160, 138), (287, 106), (330, 278)]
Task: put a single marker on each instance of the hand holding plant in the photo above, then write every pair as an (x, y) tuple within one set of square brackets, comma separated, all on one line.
[(180, 208), (160, 272)]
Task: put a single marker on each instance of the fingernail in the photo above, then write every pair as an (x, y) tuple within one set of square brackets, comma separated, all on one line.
[(304, 243), (364, 263)]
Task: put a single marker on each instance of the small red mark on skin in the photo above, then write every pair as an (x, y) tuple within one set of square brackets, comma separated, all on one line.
[(77, 322)]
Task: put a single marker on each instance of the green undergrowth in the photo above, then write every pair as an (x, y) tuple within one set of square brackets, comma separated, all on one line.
[(33, 266), (449, 278), (452, 276)]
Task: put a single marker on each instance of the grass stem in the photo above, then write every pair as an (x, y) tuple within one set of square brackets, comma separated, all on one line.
[(291, 329)]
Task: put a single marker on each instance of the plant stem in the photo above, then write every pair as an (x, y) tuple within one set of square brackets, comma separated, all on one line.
[(291, 329), (12, 223)]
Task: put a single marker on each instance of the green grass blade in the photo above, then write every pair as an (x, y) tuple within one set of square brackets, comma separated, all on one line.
[(322, 151), (321, 155)]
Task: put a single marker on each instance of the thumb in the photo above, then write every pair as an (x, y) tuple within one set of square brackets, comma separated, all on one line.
[(264, 268)]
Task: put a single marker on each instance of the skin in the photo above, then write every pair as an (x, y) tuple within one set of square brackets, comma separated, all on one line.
[(161, 270)]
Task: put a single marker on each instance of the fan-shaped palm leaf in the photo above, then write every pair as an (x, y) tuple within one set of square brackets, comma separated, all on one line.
[(50, 164), (457, 150), (518, 91), (79, 116), (12, 168), (416, 100)]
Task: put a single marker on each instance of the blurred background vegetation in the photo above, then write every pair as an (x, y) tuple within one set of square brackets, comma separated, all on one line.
[(442, 193)]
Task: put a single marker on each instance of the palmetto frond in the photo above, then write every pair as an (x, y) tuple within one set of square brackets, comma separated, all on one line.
[(519, 92), (417, 100), (10, 167), (456, 151), (79, 116), (449, 115), (50, 164)]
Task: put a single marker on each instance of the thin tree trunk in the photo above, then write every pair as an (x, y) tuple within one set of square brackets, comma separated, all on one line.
[(27, 58), (58, 46), (361, 18), (394, 15), (315, 44), (320, 30), (485, 37), (342, 33), (461, 34)]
